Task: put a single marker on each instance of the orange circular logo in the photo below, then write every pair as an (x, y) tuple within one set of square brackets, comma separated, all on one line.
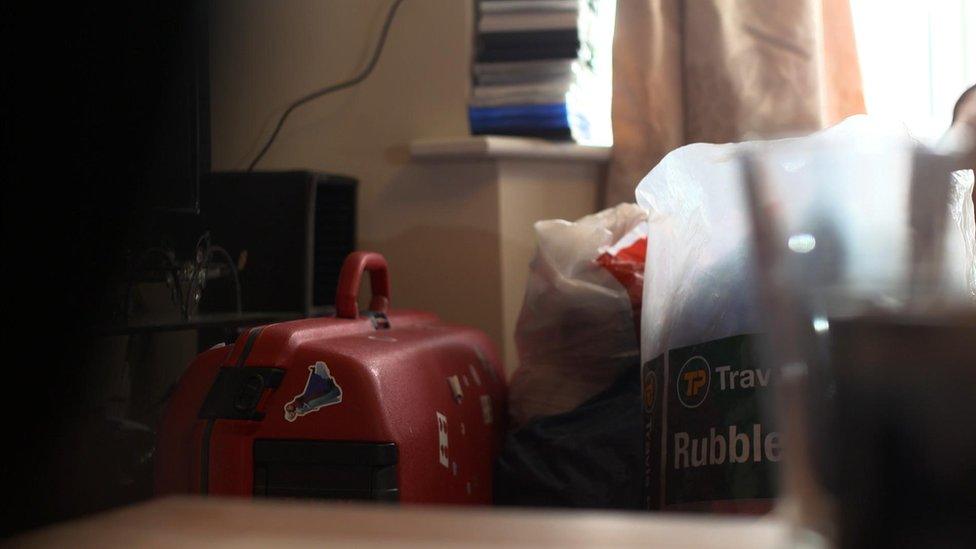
[(694, 379)]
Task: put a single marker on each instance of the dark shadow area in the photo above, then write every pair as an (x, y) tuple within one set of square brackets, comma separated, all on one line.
[(98, 141)]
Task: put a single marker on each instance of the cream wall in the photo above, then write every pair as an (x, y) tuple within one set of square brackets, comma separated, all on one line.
[(266, 53), (457, 231)]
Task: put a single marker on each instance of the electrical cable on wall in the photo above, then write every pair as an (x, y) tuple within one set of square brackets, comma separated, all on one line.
[(335, 87)]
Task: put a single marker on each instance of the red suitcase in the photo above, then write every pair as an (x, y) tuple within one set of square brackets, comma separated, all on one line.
[(385, 406)]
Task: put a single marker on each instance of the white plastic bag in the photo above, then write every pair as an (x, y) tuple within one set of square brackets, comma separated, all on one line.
[(576, 330), (698, 278), (708, 446)]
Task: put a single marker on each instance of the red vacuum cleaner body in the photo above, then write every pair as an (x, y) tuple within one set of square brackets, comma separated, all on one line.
[(385, 405)]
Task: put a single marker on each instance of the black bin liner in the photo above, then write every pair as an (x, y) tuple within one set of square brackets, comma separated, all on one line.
[(589, 457)]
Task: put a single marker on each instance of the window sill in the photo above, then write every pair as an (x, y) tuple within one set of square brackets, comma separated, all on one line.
[(484, 147)]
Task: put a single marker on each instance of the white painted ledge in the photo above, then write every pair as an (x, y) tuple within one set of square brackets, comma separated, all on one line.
[(494, 147)]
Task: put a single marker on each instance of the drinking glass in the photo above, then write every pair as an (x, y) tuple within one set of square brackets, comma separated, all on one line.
[(864, 254)]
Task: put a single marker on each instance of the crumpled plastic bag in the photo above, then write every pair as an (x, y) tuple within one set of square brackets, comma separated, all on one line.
[(577, 328)]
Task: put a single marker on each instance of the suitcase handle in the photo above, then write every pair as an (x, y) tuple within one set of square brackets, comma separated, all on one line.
[(347, 292)]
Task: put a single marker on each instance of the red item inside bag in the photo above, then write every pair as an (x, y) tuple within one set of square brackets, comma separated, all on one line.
[(627, 266)]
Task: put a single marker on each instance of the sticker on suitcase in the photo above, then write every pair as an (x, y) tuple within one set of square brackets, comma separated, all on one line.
[(487, 415), (442, 439), (486, 365), (321, 390)]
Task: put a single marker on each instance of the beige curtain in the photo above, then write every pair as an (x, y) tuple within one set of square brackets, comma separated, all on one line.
[(716, 71)]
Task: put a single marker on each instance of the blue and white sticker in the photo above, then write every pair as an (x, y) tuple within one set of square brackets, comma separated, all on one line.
[(321, 390)]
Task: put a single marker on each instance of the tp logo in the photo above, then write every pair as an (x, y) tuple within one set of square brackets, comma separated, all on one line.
[(694, 379)]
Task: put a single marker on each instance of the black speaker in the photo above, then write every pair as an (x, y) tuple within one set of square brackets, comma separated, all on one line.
[(289, 233)]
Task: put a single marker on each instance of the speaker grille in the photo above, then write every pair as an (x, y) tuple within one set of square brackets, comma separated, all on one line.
[(335, 235)]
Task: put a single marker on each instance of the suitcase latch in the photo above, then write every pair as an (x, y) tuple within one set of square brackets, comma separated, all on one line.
[(237, 392)]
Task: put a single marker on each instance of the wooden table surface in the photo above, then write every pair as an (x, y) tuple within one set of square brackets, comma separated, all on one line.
[(199, 522)]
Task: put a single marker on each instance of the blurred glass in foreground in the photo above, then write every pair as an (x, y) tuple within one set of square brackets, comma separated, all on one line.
[(864, 246)]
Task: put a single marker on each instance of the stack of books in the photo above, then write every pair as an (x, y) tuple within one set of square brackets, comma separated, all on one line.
[(538, 63)]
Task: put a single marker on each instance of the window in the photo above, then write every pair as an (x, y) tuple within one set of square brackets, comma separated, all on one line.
[(916, 59)]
